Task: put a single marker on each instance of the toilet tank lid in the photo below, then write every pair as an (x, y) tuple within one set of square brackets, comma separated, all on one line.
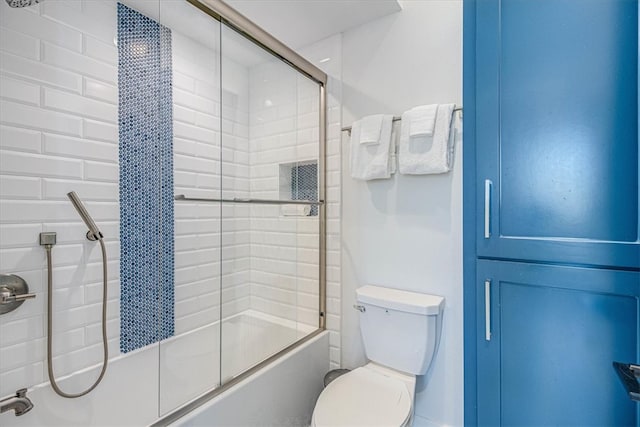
[(396, 299)]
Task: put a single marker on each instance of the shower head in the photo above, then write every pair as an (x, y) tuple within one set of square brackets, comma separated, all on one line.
[(93, 233), (22, 3)]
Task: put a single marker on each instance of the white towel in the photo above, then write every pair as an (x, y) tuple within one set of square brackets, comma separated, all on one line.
[(370, 128), (372, 161), (295, 210), (422, 120), (427, 154)]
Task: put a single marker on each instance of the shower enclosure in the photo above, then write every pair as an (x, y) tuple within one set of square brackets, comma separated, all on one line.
[(196, 140)]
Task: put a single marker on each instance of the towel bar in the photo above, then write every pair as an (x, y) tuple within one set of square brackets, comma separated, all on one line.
[(254, 201), (395, 119)]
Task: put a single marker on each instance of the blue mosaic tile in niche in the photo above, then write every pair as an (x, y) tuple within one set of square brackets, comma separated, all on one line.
[(145, 121), (304, 184)]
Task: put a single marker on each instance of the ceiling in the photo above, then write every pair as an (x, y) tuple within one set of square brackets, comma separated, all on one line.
[(298, 23)]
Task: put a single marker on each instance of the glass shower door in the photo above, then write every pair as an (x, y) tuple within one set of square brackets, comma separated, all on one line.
[(247, 220), (189, 360), (270, 248)]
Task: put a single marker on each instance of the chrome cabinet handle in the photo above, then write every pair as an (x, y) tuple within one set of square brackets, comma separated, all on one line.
[(487, 310), (487, 208)]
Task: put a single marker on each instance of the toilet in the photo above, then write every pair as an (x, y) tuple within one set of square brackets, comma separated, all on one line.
[(400, 331)]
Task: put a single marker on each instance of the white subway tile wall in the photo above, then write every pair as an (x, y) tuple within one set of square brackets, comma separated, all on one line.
[(58, 113), (58, 132)]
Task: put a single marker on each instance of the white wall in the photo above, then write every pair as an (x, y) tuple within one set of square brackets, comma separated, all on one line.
[(59, 133), (406, 232)]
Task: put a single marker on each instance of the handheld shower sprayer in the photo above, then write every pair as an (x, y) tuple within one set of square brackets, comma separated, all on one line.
[(48, 241), (94, 232)]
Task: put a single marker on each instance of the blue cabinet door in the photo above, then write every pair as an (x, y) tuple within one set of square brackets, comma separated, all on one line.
[(547, 336), (557, 131)]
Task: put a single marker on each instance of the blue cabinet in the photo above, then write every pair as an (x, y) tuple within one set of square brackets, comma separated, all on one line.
[(557, 131), (552, 222), (546, 338)]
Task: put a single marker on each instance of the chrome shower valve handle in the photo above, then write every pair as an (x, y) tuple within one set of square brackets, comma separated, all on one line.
[(13, 292), (7, 296)]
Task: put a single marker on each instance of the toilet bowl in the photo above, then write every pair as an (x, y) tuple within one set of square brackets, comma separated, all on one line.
[(400, 331), (369, 396)]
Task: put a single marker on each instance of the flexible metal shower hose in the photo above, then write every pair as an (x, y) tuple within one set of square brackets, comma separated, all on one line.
[(52, 378)]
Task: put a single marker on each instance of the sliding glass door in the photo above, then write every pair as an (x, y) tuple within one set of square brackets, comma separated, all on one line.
[(248, 214), (270, 248)]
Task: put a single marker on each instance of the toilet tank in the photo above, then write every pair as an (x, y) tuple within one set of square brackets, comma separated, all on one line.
[(400, 329)]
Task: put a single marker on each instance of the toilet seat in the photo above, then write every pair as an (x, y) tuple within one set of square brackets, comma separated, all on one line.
[(364, 397)]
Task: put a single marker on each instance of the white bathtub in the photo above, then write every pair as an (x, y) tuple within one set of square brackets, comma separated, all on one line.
[(190, 363), (282, 394), (186, 366)]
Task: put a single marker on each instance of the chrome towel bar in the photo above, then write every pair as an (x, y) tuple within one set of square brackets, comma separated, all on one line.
[(395, 119), (254, 201)]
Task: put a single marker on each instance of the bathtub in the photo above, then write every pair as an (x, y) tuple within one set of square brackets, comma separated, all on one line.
[(282, 394), (190, 363), (171, 382)]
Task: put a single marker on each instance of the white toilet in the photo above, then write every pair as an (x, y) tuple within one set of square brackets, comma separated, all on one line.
[(400, 331)]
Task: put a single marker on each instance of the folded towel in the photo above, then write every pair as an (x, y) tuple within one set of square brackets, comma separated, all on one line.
[(295, 210), (372, 161), (370, 128), (427, 154), (422, 120)]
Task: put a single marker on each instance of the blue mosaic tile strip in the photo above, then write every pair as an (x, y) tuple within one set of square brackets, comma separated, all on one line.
[(304, 184), (146, 180)]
